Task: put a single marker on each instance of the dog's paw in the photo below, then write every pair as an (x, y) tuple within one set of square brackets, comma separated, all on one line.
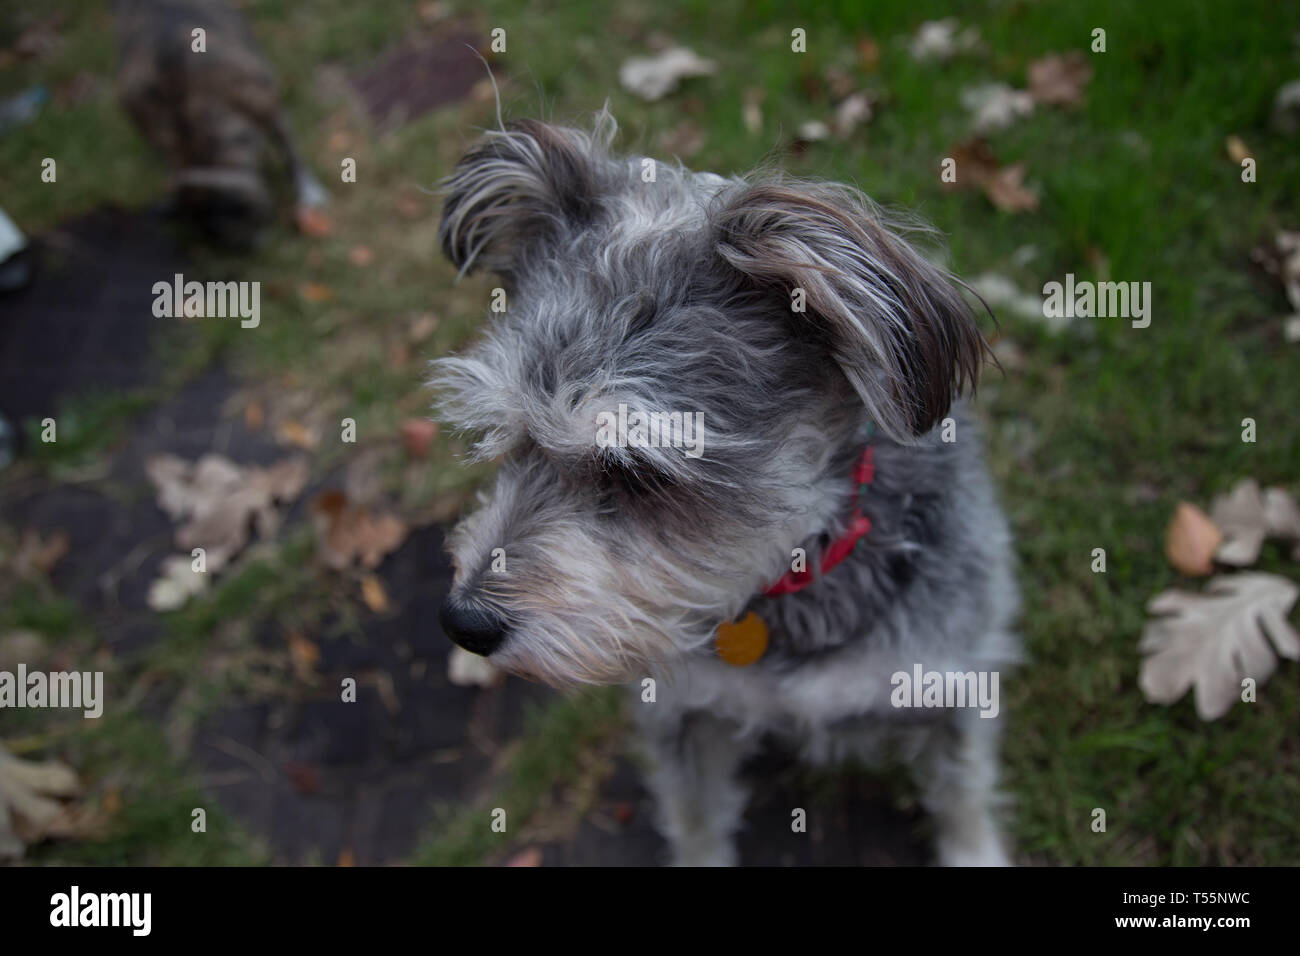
[(705, 853), (983, 853)]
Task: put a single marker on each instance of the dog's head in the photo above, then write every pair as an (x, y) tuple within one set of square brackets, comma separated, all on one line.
[(675, 389)]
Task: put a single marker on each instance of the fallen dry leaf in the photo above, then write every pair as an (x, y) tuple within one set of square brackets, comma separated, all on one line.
[(399, 354), (37, 554), (345, 534), (431, 11), (868, 53), (839, 82), (254, 416), (1213, 640), (529, 857), (340, 141), (176, 585), (296, 434), (1288, 247), (652, 78), (1059, 79), (942, 39), (853, 111), (112, 802), (1003, 295), (374, 593), (976, 165), (1282, 518), (1248, 515), (974, 161), (218, 500), (364, 475), (304, 655), (417, 435), (813, 131), (1238, 151), (412, 204), (1191, 540), (313, 221), (422, 326), (303, 777), (751, 113), (1281, 259), (382, 682), (470, 670), (995, 106), (31, 804), (1006, 189), (1286, 108), (1240, 515), (316, 292)]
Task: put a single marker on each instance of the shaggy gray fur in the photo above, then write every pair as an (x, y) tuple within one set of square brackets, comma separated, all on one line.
[(676, 295)]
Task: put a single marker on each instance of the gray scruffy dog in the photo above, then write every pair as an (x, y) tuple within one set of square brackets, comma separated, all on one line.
[(806, 330)]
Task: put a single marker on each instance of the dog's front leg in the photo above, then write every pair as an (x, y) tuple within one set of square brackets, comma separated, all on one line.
[(693, 777), (958, 778)]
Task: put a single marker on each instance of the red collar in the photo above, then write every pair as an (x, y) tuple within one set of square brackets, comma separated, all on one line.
[(864, 473)]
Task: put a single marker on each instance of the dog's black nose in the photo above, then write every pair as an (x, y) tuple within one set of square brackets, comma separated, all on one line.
[(477, 629)]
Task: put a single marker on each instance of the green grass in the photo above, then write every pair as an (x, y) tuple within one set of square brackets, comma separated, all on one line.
[(1122, 423), (85, 427), (32, 607), (140, 795), (146, 800), (548, 756)]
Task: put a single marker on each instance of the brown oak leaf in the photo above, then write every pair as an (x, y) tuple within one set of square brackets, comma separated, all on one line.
[(346, 533), (1060, 78)]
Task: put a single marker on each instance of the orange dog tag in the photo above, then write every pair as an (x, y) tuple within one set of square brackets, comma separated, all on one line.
[(741, 643)]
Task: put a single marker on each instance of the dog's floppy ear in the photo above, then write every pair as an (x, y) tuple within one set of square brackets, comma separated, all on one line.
[(518, 186), (896, 325)]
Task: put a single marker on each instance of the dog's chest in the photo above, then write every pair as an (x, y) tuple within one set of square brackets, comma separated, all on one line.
[(838, 687)]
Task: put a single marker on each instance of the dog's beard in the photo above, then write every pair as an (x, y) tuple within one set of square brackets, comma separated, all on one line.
[(577, 614), (592, 634)]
